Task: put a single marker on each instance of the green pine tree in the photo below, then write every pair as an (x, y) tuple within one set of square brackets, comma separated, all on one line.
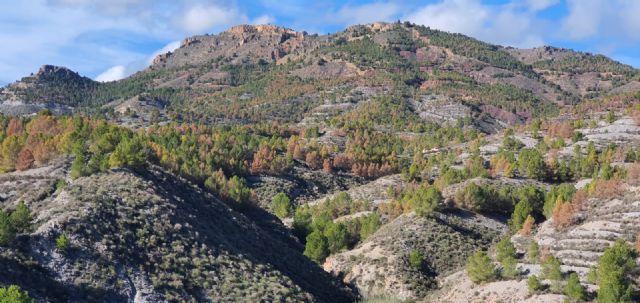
[(480, 268)]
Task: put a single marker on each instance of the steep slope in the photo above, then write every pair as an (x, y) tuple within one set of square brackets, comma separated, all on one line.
[(151, 238), (380, 266)]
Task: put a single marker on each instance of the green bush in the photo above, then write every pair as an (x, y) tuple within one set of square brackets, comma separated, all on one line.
[(505, 249), (533, 283), (522, 210), (551, 270), (573, 289), (336, 235), (509, 268), (282, 206), (480, 268), (533, 252), (62, 243), (415, 259), (613, 272), (13, 294), (316, 248)]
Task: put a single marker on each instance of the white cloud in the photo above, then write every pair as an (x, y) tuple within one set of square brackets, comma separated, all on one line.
[(538, 5), (602, 18), (199, 18), (112, 74), (501, 24), (263, 19), (460, 16)]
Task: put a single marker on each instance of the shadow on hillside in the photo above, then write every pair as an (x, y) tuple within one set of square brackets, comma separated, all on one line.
[(255, 235), (42, 285)]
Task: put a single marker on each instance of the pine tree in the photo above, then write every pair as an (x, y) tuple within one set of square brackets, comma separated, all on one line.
[(533, 283), (612, 273), (13, 294), (573, 289), (316, 248), (533, 252), (509, 268), (480, 268), (505, 249), (281, 206), (336, 235), (527, 226), (415, 259), (522, 210), (551, 271), (7, 232), (21, 218)]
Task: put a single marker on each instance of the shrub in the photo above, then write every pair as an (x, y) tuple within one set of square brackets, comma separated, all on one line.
[(336, 235), (573, 289), (509, 268), (415, 259), (531, 164), (533, 252), (470, 197), (480, 268), (369, 225), (505, 249), (7, 232), (13, 294), (281, 206), (551, 270), (21, 218), (613, 273), (62, 243), (316, 248), (522, 211), (533, 283)]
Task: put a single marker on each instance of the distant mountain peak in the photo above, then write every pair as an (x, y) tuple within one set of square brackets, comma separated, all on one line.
[(48, 69)]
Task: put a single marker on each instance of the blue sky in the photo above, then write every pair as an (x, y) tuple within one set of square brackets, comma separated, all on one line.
[(108, 40)]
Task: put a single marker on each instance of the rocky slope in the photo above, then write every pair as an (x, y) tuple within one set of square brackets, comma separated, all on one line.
[(380, 266), (236, 74), (150, 238)]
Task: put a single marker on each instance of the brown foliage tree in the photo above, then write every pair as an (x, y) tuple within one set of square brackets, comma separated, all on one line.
[(15, 127), (563, 214), (527, 226), (298, 152), (342, 161), (313, 160), (25, 159), (327, 167)]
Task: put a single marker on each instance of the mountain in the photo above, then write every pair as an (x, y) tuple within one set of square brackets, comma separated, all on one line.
[(386, 162), (237, 75)]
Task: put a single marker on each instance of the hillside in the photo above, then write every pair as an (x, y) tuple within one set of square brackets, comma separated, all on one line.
[(237, 76), (150, 238), (388, 161)]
